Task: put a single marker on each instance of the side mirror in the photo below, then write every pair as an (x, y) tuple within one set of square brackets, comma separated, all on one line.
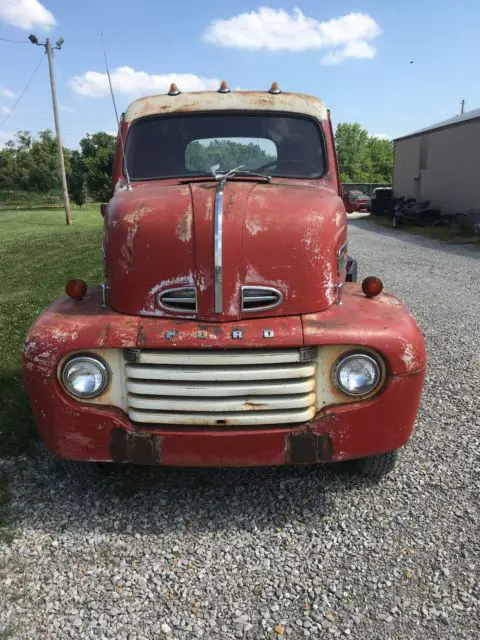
[(103, 209)]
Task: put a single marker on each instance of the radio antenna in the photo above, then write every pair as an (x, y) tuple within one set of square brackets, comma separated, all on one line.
[(120, 131)]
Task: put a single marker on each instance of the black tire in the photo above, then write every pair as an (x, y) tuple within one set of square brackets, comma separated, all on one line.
[(352, 271), (376, 467), (80, 470)]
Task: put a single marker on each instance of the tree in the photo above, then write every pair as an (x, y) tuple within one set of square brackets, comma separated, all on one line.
[(97, 152), (381, 159), (76, 179), (353, 158), (31, 164), (362, 158)]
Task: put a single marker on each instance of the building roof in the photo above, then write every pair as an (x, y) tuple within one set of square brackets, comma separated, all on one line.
[(215, 101), (460, 119)]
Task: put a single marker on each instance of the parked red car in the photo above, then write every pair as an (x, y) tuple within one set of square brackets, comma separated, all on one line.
[(357, 201)]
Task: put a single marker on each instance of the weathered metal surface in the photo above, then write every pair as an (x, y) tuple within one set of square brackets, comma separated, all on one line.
[(80, 430), (214, 101), (160, 238), (85, 432), (135, 448), (383, 324)]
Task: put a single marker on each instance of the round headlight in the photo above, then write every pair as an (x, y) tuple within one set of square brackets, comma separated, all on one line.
[(357, 374), (85, 377)]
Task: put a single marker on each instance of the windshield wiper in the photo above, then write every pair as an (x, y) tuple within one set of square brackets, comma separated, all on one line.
[(252, 174), (214, 174), (238, 171)]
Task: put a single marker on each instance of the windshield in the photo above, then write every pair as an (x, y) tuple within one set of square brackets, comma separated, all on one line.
[(188, 145)]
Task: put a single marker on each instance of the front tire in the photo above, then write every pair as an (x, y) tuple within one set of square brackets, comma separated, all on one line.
[(376, 467)]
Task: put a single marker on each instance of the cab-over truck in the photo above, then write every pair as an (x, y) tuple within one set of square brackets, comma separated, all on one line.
[(228, 330)]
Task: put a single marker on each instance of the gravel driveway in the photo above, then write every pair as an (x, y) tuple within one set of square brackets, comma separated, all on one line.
[(288, 553)]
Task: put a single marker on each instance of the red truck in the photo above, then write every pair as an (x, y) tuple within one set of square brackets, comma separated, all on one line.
[(227, 332)]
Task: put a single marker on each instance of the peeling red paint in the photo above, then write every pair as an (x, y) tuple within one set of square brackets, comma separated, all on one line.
[(285, 234)]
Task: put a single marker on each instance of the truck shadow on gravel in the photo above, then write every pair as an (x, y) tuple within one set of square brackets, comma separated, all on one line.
[(165, 500)]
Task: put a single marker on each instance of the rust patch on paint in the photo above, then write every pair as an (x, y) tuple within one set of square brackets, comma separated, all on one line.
[(134, 448), (141, 337), (184, 226), (132, 220), (307, 447)]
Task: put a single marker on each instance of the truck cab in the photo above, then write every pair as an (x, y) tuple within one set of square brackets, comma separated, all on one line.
[(226, 332)]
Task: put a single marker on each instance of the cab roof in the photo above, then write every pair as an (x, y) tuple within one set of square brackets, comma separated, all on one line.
[(225, 101)]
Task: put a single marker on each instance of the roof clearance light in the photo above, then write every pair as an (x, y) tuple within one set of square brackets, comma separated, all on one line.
[(174, 90), (76, 289), (275, 89), (224, 88), (372, 286)]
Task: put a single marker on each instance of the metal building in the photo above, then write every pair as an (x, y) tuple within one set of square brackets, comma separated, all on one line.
[(441, 163)]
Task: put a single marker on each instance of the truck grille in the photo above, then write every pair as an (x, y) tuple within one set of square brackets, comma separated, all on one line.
[(220, 388)]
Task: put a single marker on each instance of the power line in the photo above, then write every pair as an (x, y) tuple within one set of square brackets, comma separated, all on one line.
[(15, 41), (23, 92)]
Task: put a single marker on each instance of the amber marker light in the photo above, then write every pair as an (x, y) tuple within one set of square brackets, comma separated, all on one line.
[(76, 289), (224, 88), (372, 286), (275, 89)]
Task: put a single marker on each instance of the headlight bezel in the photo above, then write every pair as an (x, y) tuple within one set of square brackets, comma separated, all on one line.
[(351, 355), (93, 359)]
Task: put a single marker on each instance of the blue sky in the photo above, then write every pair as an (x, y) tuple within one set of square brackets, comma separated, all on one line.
[(355, 55)]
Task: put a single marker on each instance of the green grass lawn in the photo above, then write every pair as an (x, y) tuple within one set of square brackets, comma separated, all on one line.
[(38, 254)]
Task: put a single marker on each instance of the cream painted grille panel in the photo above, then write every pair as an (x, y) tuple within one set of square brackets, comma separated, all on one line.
[(244, 387)]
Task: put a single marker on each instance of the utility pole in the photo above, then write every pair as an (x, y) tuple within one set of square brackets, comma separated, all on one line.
[(49, 51), (462, 107)]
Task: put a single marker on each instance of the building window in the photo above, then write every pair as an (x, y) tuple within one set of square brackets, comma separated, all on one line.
[(423, 153)]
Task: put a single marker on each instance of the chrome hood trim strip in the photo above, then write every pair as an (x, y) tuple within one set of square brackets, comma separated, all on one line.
[(218, 246)]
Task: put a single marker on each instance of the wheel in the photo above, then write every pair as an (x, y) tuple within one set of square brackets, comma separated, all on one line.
[(352, 270), (376, 467), (79, 469)]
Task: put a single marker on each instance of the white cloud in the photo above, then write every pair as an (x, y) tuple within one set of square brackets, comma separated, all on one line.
[(128, 81), (67, 109), (6, 93), (381, 136), (26, 14), (355, 49), (277, 30), (4, 111)]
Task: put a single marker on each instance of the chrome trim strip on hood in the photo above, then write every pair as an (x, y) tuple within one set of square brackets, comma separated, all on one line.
[(217, 243)]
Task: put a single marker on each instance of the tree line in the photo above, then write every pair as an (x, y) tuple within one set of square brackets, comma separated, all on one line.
[(29, 163)]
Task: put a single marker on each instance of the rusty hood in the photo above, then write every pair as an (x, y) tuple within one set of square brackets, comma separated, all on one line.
[(283, 235)]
